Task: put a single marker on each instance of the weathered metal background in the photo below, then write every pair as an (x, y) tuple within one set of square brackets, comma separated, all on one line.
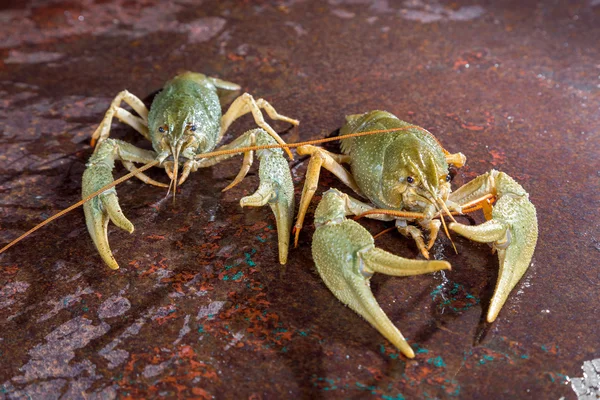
[(200, 307)]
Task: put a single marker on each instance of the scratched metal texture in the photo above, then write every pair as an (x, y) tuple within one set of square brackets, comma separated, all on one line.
[(201, 308)]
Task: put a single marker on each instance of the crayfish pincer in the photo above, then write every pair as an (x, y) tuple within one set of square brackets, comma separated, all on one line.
[(402, 171), (183, 123)]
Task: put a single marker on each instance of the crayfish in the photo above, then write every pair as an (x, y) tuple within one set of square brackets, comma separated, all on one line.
[(401, 169), (404, 174)]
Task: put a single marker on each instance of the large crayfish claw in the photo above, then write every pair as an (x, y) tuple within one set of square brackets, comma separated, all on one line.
[(105, 206), (276, 189), (346, 258), (512, 230)]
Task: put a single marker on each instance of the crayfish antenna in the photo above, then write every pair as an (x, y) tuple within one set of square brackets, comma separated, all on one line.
[(80, 203), (444, 208)]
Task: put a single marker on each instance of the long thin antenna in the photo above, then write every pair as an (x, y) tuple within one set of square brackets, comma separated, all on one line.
[(79, 203), (309, 142), (204, 155)]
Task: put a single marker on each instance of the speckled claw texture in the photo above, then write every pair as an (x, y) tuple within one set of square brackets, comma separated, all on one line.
[(512, 230), (346, 258), (105, 206), (275, 189)]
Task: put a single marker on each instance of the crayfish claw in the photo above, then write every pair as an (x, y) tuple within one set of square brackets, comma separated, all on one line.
[(346, 258), (104, 207), (512, 231), (275, 189)]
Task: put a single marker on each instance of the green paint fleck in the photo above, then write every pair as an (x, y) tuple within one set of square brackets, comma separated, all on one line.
[(284, 349), (302, 333), (399, 397), (248, 258), (373, 389), (382, 349), (237, 276), (485, 359), (525, 356), (86, 309), (563, 378), (418, 349), (201, 329), (437, 361), (261, 239)]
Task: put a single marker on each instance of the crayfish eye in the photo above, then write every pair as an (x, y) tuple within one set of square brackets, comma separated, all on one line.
[(193, 128), (448, 178), (161, 129), (410, 179)]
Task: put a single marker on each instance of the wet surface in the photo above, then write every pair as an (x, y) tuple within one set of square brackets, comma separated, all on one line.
[(201, 307)]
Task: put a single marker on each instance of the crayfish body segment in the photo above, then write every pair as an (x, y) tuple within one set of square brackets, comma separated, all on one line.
[(184, 122)]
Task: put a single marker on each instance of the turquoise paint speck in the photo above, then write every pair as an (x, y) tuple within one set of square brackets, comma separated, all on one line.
[(237, 276), (437, 361), (365, 387), (382, 349), (86, 309), (302, 333), (485, 359), (418, 349), (399, 397), (201, 329), (284, 350), (261, 239), (563, 377), (456, 391), (525, 356), (248, 259)]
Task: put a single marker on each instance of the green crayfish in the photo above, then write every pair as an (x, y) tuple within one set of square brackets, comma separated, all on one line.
[(401, 169), (183, 123), (404, 175)]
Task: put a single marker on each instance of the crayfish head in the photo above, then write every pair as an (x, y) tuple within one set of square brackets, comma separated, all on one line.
[(415, 175), (177, 129), (178, 135)]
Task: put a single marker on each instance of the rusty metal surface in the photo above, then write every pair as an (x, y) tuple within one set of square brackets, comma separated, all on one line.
[(200, 307)]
